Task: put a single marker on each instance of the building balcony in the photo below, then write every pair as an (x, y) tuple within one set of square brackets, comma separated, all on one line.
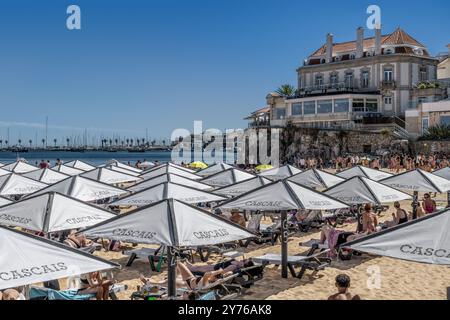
[(332, 89), (259, 124), (388, 85)]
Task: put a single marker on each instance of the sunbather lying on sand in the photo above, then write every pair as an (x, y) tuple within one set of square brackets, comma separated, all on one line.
[(77, 241)]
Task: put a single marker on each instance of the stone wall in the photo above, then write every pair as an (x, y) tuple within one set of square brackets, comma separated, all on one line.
[(428, 147), (329, 143)]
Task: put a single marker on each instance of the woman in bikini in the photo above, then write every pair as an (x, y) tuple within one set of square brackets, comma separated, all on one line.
[(428, 204)]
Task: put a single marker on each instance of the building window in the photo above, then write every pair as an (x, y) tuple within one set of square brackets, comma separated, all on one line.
[(423, 75), (445, 120), (319, 81), (341, 105), (280, 114), (372, 105), (425, 125), (421, 100), (309, 107), (349, 79), (389, 51), (352, 56), (324, 106), (388, 75), (388, 100), (365, 79), (333, 79), (358, 105), (297, 109)]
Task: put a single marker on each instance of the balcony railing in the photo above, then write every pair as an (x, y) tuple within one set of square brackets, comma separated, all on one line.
[(331, 88), (387, 84)]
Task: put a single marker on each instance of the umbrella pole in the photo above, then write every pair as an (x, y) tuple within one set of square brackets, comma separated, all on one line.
[(415, 204), (171, 273), (448, 198), (284, 244)]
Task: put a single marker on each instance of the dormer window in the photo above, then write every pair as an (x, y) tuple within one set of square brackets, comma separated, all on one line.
[(370, 53), (418, 51), (389, 51), (352, 56), (337, 58), (322, 61)]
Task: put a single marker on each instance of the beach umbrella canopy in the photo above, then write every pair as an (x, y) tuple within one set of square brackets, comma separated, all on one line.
[(361, 171), (215, 168), (263, 167), (4, 172), (52, 212), (4, 201), (198, 165), (169, 177), (1, 164), (84, 189), (110, 176), (227, 177), (315, 178), (361, 190), (283, 195), (15, 184), (19, 167), (123, 166), (46, 175), (122, 170), (280, 173), (78, 164), (167, 168), (425, 240), (70, 171), (239, 188), (32, 259), (443, 173), (171, 164), (167, 190), (418, 180), (171, 223)]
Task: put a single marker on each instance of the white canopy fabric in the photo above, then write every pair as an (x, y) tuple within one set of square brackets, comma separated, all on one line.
[(283, 195), (46, 175), (171, 164), (122, 170), (170, 223), (110, 176), (361, 171), (169, 178), (227, 177), (15, 184), (418, 180), (67, 170), (84, 189), (78, 164), (123, 166), (280, 173), (4, 201), (52, 212), (167, 168), (360, 190), (30, 259), (242, 187), (443, 173), (315, 178), (215, 168), (425, 240), (19, 167), (1, 164), (168, 190), (4, 172)]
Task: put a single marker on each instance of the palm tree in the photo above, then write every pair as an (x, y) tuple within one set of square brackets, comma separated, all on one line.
[(1, 143), (110, 142), (6, 143), (164, 142), (54, 141), (123, 142), (128, 142), (131, 142), (67, 140), (43, 143), (286, 90), (19, 141), (30, 142), (116, 141)]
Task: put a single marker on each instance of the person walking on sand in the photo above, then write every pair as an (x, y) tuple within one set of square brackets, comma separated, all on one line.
[(343, 285)]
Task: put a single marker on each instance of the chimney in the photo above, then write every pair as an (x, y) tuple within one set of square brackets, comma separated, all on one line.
[(378, 41), (329, 48), (359, 42)]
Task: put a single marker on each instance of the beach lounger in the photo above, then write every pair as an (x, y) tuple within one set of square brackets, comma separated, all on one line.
[(313, 220), (205, 252), (312, 261), (156, 257)]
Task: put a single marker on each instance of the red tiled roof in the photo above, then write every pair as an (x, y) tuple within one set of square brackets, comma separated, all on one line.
[(398, 37)]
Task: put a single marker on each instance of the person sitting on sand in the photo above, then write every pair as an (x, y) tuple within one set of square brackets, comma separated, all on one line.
[(237, 218), (232, 265), (343, 285), (93, 283), (428, 204), (399, 216)]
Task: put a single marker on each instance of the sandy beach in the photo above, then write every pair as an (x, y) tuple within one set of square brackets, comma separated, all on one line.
[(398, 279)]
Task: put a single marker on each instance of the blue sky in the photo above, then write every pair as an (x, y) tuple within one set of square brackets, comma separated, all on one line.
[(161, 64)]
